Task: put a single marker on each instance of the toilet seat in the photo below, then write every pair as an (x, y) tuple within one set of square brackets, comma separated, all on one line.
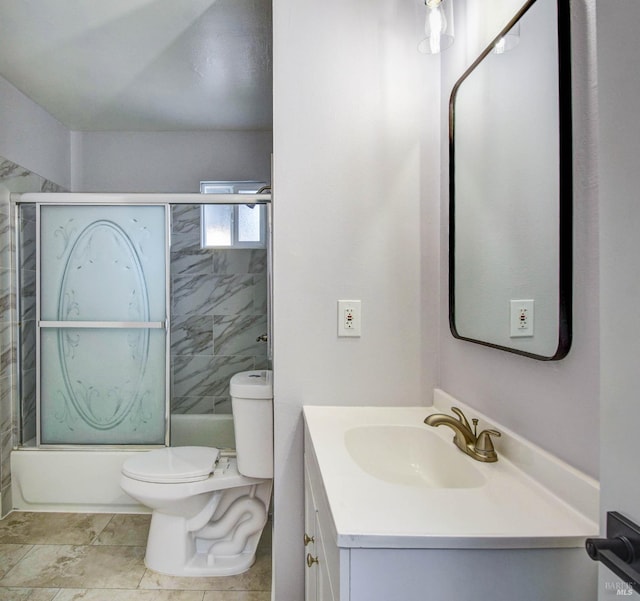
[(172, 465)]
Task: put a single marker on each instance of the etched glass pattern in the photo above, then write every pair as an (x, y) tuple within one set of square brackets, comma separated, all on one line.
[(103, 383)]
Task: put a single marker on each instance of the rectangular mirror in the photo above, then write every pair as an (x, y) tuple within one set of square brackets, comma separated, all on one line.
[(510, 245)]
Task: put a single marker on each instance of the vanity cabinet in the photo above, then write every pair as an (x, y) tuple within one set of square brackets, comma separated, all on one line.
[(354, 553), (319, 582), (322, 554)]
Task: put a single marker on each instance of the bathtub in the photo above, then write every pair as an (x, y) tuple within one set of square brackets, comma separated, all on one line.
[(87, 480)]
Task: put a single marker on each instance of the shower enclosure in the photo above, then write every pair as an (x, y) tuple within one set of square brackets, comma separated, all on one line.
[(101, 324), (126, 316)]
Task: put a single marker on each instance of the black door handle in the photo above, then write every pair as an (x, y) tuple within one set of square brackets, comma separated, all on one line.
[(620, 546), (620, 551)]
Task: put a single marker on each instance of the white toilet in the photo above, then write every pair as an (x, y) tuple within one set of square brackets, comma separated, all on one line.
[(210, 506)]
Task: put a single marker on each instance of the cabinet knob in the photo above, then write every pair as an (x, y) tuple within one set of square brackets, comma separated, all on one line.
[(311, 560), (308, 539)]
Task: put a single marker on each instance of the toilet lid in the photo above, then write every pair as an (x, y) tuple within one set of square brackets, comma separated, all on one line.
[(172, 464)]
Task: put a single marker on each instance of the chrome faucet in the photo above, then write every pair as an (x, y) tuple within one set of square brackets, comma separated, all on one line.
[(480, 446)]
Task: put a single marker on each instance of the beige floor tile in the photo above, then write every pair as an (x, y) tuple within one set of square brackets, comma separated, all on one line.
[(67, 566), (125, 529), (27, 594), (52, 528), (126, 595), (237, 596), (258, 578), (99, 557), (10, 555)]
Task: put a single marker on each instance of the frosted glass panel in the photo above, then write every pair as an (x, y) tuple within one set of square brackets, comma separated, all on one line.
[(218, 225), (249, 223), (102, 263), (102, 386), (102, 381)]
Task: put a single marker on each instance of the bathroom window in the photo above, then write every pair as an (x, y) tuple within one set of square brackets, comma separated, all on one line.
[(233, 225)]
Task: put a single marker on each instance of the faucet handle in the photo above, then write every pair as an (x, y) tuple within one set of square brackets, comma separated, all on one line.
[(461, 417), (484, 445)]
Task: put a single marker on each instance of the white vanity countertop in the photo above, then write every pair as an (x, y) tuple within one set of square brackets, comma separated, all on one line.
[(510, 510)]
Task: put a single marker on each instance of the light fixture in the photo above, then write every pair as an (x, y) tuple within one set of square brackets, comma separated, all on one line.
[(508, 41), (438, 27)]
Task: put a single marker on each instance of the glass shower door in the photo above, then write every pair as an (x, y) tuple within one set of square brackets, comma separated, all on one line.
[(102, 317)]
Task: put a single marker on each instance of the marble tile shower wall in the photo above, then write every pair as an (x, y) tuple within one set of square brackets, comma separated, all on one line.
[(27, 319), (219, 308), (13, 178)]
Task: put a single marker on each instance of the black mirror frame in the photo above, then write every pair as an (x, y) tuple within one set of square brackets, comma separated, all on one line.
[(565, 198)]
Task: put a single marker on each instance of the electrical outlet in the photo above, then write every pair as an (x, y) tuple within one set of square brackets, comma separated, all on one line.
[(521, 318), (349, 318)]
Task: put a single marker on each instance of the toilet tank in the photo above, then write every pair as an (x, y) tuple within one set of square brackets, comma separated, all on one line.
[(252, 406)]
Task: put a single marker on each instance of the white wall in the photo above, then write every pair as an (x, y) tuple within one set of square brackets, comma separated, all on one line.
[(552, 404), (350, 109), (32, 138), (125, 161), (619, 104), (167, 161)]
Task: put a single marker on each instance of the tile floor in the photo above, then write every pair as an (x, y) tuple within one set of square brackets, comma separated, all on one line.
[(96, 557)]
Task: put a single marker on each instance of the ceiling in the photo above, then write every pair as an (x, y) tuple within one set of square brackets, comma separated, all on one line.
[(142, 65)]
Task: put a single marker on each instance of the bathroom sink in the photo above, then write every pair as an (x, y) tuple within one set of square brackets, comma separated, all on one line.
[(413, 456)]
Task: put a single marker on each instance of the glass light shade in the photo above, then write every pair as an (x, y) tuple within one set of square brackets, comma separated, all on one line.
[(509, 41), (438, 27)]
